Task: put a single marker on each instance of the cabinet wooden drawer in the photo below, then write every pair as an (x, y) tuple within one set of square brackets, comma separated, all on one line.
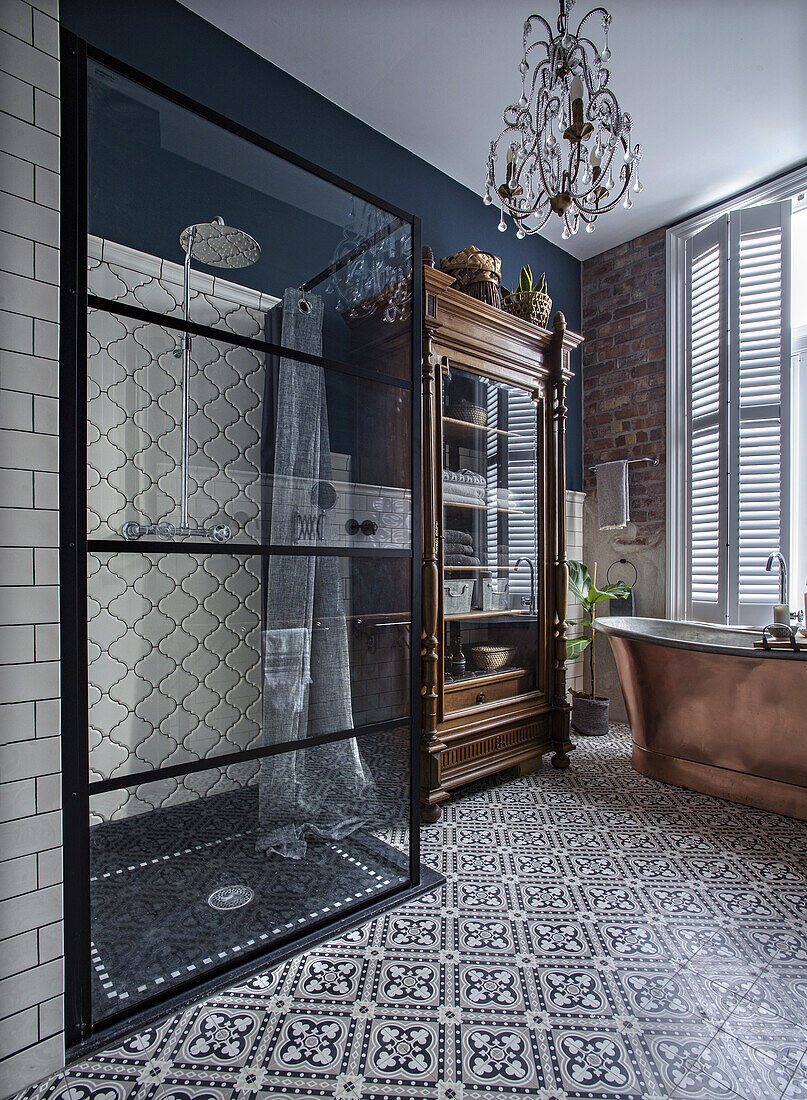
[(476, 693), (488, 753)]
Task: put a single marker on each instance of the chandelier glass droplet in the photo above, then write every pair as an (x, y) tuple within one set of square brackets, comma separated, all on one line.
[(566, 144)]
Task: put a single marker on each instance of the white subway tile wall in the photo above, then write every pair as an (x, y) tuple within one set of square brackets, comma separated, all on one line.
[(574, 552), (31, 953)]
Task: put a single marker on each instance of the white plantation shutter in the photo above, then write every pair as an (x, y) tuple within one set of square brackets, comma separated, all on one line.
[(707, 362), (522, 474), (738, 356), (760, 358)]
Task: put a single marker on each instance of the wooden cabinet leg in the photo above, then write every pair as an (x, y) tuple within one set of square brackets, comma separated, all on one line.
[(429, 814), (560, 760)]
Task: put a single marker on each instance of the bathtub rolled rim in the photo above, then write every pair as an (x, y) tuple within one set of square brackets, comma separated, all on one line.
[(733, 641)]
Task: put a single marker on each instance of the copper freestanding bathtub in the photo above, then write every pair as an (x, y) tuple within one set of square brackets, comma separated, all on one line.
[(710, 712)]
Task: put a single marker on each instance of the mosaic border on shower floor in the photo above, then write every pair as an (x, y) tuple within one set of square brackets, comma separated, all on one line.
[(599, 935)]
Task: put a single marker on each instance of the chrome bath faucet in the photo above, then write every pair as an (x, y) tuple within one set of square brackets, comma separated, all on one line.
[(777, 557)]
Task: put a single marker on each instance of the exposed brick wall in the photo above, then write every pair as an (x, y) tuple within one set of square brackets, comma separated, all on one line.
[(624, 386)]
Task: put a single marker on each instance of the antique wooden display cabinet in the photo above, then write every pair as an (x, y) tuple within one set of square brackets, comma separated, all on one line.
[(494, 541)]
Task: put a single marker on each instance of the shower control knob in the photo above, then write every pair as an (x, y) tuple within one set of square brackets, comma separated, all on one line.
[(220, 533), (131, 530), (368, 527)]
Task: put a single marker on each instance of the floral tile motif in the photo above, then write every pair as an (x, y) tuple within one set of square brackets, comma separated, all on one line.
[(409, 983), (599, 935), (593, 1063), (404, 1052), (307, 1043), (330, 979), (575, 991), (490, 986), (499, 1056), (220, 1036)]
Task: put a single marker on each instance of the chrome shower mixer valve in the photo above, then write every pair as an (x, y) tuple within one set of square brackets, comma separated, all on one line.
[(132, 530)]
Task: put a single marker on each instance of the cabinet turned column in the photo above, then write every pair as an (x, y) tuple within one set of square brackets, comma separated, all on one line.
[(432, 793), (561, 741)]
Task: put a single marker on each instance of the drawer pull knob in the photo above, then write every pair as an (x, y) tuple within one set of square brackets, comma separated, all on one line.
[(481, 697)]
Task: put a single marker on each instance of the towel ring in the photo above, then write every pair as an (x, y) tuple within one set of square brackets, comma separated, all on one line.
[(303, 305), (623, 561)]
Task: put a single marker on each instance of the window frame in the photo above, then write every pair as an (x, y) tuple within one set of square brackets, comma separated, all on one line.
[(677, 238)]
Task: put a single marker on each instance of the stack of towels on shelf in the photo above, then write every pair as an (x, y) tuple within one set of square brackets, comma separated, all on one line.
[(463, 487), (459, 548)]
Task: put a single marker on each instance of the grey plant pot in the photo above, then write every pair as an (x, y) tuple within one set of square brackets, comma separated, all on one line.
[(590, 716)]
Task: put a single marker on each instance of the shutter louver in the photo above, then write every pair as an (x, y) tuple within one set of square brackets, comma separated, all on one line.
[(522, 483), (706, 340), (705, 540), (759, 366)]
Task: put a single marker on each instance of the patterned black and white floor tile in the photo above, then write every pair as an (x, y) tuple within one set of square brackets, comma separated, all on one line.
[(599, 935)]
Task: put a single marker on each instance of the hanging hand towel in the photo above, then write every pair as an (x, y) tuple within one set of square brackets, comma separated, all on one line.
[(612, 495)]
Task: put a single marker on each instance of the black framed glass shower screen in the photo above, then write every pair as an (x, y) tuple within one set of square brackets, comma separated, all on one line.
[(240, 518)]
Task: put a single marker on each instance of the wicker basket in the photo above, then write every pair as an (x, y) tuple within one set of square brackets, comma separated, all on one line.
[(530, 306), (477, 273), (492, 658), (472, 414)]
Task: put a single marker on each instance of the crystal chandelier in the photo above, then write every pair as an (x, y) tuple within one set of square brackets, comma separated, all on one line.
[(568, 145), (367, 266)]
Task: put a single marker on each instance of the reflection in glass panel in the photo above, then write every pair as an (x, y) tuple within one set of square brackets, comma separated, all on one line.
[(244, 446), (193, 656), (193, 872), (491, 589), (189, 220)]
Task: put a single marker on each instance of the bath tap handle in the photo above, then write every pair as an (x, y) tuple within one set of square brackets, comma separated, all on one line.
[(779, 630)]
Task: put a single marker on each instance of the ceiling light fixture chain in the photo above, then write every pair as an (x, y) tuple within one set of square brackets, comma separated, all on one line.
[(565, 106)]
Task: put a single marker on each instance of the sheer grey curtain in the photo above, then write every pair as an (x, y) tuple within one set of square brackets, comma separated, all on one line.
[(320, 791)]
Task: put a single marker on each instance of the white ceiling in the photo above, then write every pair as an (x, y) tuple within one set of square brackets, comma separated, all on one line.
[(717, 88)]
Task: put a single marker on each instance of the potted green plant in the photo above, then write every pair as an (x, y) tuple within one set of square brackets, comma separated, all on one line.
[(589, 711), (529, 300)]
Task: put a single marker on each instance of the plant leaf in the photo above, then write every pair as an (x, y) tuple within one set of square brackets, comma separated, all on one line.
[(609, 592), (580, 583), (576, 646)]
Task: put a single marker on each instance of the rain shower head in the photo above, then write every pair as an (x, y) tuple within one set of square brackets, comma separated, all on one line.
[(219, 245)]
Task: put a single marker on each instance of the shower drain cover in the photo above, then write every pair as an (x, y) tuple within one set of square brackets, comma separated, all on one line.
[(230, 897)]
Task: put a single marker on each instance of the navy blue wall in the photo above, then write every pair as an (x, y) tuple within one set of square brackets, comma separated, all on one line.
[(166, 41)]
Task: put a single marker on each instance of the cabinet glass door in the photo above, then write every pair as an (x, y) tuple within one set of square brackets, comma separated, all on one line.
[(492, 581)]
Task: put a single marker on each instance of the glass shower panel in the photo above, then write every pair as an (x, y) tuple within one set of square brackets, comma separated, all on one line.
[(241, 408), (159, 194), (192, 873), (248, 553), (192, 657)]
